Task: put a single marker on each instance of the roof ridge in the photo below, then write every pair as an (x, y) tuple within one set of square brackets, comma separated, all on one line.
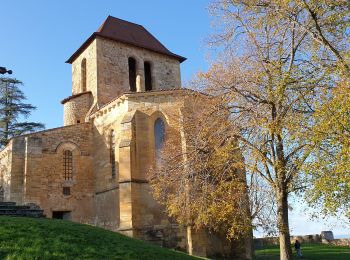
[(103, 24), (113, 17)]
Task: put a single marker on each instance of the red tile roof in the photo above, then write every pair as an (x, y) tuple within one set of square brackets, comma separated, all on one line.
[(126, 32)]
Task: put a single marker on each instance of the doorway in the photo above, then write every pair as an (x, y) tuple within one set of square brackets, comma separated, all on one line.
[(66, 215)]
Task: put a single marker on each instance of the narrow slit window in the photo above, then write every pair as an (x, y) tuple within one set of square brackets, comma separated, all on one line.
[(83, 75), (148, 76), (132, 74), (159, 136), (112, 152), (68, 164)]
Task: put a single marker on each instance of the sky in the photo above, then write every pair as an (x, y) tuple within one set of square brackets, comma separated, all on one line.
[(38, 36)]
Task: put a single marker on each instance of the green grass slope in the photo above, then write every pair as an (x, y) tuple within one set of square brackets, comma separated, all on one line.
[(309, 251), (27, 238)]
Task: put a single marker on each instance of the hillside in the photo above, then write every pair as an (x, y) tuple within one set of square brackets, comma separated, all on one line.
[(27, 238)]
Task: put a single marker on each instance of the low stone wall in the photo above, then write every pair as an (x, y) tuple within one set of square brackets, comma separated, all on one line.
[(266, 241), (338, 242), (316, 238), (269, 241)]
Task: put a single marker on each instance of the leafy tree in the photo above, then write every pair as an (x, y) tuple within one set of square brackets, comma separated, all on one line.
[(279, 64), (330, 171), (328, 24), (200, 176), (11, 109)]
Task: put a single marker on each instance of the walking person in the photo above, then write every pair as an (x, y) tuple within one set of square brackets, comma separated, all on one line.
[(297, 246)]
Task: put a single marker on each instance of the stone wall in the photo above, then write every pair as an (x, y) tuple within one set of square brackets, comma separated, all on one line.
[(315, 238), (113, 69), (132, 122), (268, 241), (91, 71), (37, 173), (106, 202), (106, 209), (76, 108), (338, 242), (5, 171)]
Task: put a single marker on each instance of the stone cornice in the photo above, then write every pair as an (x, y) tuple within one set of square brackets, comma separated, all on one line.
[(130, 95), (74, 96)]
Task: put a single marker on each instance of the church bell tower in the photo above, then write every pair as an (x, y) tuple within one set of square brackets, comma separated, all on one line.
[(120, 57)]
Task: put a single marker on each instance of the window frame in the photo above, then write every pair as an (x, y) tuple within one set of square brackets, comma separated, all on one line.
[(68, 166), (158, 147)]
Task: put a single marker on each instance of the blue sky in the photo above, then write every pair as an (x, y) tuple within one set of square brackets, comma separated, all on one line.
[(38, 36)]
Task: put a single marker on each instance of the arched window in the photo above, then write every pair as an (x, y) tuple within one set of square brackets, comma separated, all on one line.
[(112, 151), (132, 74), (148, 76), (159, 136), (83, 75), (68, 164)]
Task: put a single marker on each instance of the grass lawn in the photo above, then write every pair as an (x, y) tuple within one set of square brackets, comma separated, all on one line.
[(309, 251), (27, 238)]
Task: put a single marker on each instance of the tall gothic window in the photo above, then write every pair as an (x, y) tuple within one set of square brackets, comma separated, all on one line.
[(112, 151), (68, 164), (159, 136), (132, 74), (83, 75), (148, 76)]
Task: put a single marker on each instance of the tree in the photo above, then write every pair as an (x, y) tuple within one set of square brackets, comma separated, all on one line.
[(330, 171), (325, 22), (199, 177), (276, 68), (11, 109), (327, 25)]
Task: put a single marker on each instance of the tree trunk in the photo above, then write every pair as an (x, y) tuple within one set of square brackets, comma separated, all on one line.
[(283, 225), (189, 240), (184, 154)]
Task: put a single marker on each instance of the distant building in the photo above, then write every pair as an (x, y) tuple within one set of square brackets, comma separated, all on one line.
[(126, 91)]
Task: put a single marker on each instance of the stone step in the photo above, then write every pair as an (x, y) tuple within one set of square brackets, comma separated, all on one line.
[(14, 207), (29, 210), (22, 212), (7, 203)]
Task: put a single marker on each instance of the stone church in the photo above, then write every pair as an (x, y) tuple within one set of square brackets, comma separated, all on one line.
[(126, 91)]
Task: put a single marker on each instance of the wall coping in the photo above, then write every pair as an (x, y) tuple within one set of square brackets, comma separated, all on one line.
[(130, 95)]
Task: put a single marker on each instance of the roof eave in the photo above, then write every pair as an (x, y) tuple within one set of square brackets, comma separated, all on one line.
[(81, 48), (95, 34), (74, 96)]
